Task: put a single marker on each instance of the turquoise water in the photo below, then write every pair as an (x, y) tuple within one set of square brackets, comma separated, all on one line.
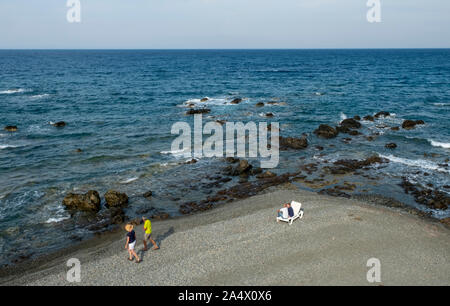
[(120, 106)]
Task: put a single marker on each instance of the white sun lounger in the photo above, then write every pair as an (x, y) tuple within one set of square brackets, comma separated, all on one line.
[(298, 213)]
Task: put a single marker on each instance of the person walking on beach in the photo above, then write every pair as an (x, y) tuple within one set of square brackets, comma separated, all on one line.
[(148, 234), (131, 243)]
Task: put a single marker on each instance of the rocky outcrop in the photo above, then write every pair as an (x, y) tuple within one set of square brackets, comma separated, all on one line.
[(243, 167), (116, 199), (293, 143), (357, 117), (410, 124), (259, 104), (344, 166), (236, 101), (432, 198), (198, 111), (89, 201), (269, 115), (326, 131), (368, 118), (11, 128), (350, 123), (391, 145), (267, 174), (59, 124), (204, 99), (382, 114)]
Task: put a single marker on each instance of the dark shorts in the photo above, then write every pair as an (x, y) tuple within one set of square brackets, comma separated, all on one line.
[(147, 236)]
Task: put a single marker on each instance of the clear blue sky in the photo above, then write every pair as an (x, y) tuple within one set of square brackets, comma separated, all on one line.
[(128, 24)]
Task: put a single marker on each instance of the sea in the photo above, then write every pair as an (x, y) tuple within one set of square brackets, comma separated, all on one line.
[(120, 106)]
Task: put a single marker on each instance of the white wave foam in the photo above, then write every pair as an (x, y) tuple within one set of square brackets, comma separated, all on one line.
[(12, 91), (343, 116), (7, 146), (127, 181), (444, 145), (39, 96), (420, 163), (56, 220), (441, 104)]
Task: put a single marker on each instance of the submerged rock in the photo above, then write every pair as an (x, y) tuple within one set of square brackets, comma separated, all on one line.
[(116, 199), (89, 201), (391, 145), (368, 118), (266, 174), (259, 104), (236, 101), (326, 131), (204, 99), (198, 111), (148, 194)]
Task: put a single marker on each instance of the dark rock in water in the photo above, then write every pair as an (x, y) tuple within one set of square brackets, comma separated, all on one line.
[(344, 166), (116, 199), (79, 150), (293, 143), (221, 122), (320, 148), (435, 199), (232, 160), (266, 174), (357, 117), (370, 138), (410, 124), (59, 124), (269, 115), (236, 101), (326, 131), (192, 161), (198, 111), (11, 128), (368, 118), (259, 104), (342, 129), (334, 192), (391, 145), (382, 114), (148, 194), (395, 128), (204, 99), (256, 170), (350, 123), (242, 168), (84, 202), (354, 133)]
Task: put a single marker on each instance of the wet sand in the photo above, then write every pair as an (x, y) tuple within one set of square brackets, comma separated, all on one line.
[(240, 243)]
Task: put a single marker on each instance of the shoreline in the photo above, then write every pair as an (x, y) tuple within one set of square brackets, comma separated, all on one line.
[(108, 245)]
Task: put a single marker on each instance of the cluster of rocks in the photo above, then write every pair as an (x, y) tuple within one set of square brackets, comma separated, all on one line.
[(411, 124), (432, 198), (344, 166), (90, 202), (287, 143), (195, 111)]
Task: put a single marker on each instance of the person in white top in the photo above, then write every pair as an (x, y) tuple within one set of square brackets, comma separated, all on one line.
[(283, 212)]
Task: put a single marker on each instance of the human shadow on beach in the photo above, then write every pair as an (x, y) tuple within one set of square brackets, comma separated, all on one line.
[(158, 241), (161, 237)]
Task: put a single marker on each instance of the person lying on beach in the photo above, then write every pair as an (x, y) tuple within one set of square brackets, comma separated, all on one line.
[(283, 212), (131, 243), (148, 234)]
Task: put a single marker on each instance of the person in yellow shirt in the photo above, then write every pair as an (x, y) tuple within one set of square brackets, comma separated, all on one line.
[(148, 234)]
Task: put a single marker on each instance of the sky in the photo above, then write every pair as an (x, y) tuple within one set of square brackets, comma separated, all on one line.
[(223, 24)]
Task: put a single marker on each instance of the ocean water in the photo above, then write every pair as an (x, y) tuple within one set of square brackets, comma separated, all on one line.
[(120, 106)]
